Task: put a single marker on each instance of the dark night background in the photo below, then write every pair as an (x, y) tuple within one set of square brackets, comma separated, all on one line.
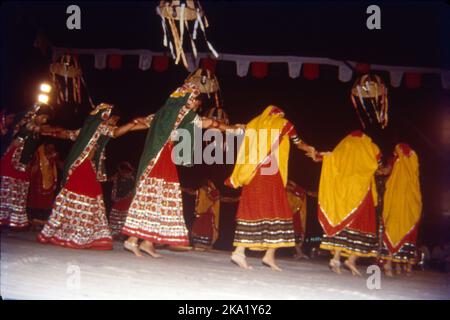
[(412, 34)]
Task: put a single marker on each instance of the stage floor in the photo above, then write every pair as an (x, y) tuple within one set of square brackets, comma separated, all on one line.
[(30, 270)]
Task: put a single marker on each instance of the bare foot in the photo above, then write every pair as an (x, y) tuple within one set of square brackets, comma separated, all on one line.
[(398, 271), (240, 260), (150, 250), (133, 247), (408, 272), (300, 256), (335, 266), (388, 272), (352, 268), (271, 264)]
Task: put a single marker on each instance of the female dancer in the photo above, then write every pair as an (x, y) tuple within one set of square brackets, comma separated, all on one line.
[(15, 163), (78, 219), (264, 218), (156, 212), (347, 199), (402, 209)]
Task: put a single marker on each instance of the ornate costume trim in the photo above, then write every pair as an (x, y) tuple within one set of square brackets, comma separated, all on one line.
[(352, 242), (117, 221), (20, 144), (407, 253), (265, 233), (103, 129), (77, 221), (326, 223), (13, 198), (183, 112), (156, 213)]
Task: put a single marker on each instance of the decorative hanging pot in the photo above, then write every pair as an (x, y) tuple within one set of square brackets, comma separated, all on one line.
[(371, 94), (179, 18)]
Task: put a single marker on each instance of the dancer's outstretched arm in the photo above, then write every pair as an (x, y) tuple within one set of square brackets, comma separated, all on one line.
[(142, 123), (120, 131), (58, 132), (215, 124), (310, 150)]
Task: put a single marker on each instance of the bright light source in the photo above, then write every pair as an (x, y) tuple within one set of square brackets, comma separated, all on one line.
[(43, 98), (46, 88)]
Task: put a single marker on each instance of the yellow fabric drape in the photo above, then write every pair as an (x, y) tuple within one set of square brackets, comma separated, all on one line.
[(347, 175), (48, 170), (260, 135), (297, 203), (204, 203), (402, 204)]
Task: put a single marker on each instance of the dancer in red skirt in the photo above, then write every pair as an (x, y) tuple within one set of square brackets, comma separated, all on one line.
[(15, 169), (156, 212), (402, 210), (264, 218), (122, 194), (78, 219), (347, 198)]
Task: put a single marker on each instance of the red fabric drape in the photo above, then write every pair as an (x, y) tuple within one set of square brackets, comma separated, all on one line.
[(259, 69), (362, 68), (311, 71), (115, 61), (412, 80), (160, 63)]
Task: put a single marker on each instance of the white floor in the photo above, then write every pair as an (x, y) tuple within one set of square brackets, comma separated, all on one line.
[(30, 270)]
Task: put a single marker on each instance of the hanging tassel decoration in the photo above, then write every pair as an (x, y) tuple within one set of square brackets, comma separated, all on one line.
[(361, 100), (194, 48), (163, 24), (194, 34), (182, 7), (355, 105)]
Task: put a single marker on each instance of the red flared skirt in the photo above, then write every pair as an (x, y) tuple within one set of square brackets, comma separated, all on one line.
[(13, 192), (359, 236), (264, 218), (156, 212), (203, 228), (78, 219)]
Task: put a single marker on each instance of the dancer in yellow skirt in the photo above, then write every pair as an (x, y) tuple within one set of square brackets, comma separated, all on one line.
[(402, 209), (347, 199)]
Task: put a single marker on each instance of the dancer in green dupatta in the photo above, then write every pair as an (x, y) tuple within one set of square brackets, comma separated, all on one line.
[(78, 218), (156, 211), (15, 177)]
